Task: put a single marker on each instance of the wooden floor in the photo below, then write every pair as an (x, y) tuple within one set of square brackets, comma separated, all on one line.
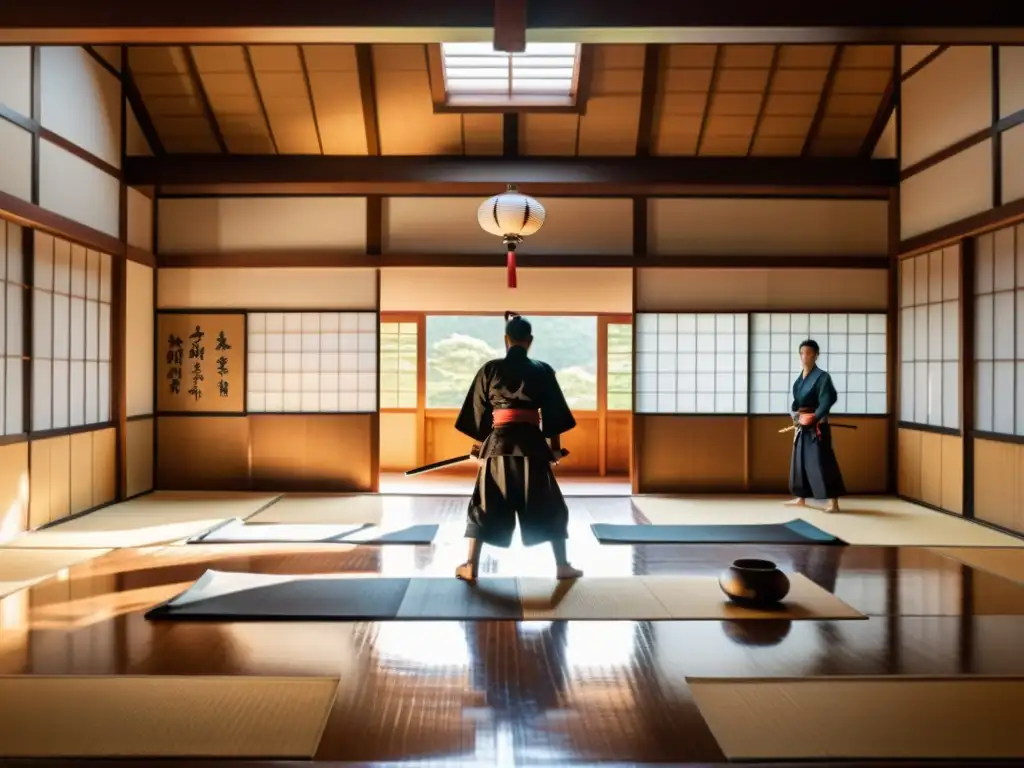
[(508, 693)]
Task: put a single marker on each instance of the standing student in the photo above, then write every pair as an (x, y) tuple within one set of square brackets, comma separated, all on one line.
[(515, 407), (814, 472)]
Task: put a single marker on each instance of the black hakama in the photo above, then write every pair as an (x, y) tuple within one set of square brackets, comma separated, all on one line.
[(515, 487), (515, 480), (814, 471)]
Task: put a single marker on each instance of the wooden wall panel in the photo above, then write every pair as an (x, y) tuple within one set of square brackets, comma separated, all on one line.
[(139, 351), (16, 78), (595, 226), (470, 290), (280, 289), (619, 441), (690, 454), (326, 453), (948, 191), (139, 455), (863, 454), (724, 290), (945, 102), (77, 189), (14, 490), (15, 160), (998, 484), (930, 468), (81, 101), (71, 474), (240, 224), (1013, 164), (398, 442), (140, 220), (199, 453), (51, 480), (762, 227), (912, 55)]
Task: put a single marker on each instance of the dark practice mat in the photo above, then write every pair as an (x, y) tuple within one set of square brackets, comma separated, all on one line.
[(238, 532), (223, 596), (793, 532)]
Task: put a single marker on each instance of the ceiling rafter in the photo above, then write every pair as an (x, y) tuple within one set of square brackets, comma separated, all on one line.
[(772, 69), (200, 92), (885, 108), (654, 55), (247, 56), (826, 94), (309, 95), (716, 69), (368, 94)]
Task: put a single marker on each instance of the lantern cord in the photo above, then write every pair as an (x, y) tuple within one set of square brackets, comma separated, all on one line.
[(510, 268)]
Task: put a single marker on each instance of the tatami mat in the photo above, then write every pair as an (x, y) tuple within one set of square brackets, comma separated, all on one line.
[(224, 596), (301, 509), (864, 718), (864, 521), (20, 568), (1008, 563), (225, 717), (152, 519), (240, 532)]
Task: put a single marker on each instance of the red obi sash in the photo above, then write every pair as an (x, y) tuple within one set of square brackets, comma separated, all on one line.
[(817, 424), (506, 416)]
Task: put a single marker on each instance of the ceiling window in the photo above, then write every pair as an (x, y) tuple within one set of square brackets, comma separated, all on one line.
[(545, 74)]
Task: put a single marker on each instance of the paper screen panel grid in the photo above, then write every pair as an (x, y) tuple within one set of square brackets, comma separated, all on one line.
[(929, 340), (71, 324), (999, 332), (312, 362), (853, 348), (398, 363), (620, 367), (12, 325), (691, 363)]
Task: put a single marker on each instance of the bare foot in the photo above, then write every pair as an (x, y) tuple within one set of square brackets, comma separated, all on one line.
[(466, 572), (567, 572), (796, 503), (832, 507)]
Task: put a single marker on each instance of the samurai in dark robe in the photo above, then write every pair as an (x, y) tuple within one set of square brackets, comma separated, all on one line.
[(814, 472), (517, 411)]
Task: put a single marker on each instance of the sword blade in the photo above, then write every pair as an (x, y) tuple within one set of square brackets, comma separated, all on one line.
[(438, 465)]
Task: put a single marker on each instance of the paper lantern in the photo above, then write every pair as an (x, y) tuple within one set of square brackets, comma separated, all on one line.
[(511, 216)]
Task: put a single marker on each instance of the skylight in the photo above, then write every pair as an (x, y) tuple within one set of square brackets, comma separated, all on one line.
[(477, 75)]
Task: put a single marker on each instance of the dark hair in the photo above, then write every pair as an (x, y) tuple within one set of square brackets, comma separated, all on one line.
[(518, 329), (812, 344)]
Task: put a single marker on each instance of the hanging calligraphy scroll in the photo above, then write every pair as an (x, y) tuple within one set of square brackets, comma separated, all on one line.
[(200, 365)]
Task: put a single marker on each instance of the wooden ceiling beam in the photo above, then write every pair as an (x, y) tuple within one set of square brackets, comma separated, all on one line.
[(309, 95), (133, 96), (716, 68), (412, 21), (510, 26), (197, 86), (259, 96), (586, 175)]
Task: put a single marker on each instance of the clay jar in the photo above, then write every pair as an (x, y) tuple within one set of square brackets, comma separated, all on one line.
[(754, 583)]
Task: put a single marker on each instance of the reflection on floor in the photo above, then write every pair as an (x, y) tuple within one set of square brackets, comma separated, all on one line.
[(505, 693), (448, 483)]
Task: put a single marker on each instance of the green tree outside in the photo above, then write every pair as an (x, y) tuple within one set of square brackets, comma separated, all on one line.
[(457, 346)]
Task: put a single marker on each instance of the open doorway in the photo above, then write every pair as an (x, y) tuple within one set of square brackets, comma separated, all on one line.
[(429, 359)]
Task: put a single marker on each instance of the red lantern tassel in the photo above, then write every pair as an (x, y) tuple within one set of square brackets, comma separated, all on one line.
[(510, 268)]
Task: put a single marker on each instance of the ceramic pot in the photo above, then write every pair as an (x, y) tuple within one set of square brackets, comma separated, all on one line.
[(754, 583)]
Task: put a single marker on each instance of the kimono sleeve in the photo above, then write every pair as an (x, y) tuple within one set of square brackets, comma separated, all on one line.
[(555, 416), (827, 396), (476, 419)]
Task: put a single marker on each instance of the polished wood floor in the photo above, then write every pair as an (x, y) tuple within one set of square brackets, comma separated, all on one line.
[(506, 693)]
